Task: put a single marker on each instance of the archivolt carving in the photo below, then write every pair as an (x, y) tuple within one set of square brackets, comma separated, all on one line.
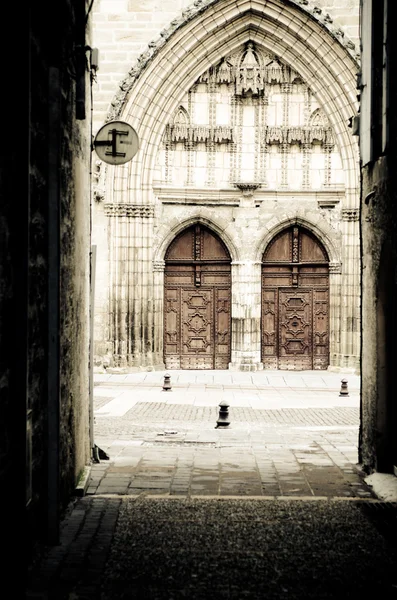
[(198, 7)]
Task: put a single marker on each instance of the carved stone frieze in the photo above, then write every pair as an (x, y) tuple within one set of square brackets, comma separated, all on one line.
[(133, 211), (301, 135), (196, 134), (350, 214)]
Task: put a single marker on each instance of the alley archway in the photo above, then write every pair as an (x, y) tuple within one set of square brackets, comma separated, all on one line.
[(295, 302), (197, 301)]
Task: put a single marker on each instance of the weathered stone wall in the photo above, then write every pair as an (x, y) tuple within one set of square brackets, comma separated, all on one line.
[(378, 220), (379, 297), (45, 185)]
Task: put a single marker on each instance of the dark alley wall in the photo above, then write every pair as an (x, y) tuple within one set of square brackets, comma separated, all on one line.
[(378, 146), (44, 264)]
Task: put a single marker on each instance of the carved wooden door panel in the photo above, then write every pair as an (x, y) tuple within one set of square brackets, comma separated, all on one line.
[(197, 329), (197, 300), (295, 329), (295, 302)]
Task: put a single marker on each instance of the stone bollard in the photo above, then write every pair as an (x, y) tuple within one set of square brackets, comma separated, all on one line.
[(167, 383), (223, 419), (343, 388)]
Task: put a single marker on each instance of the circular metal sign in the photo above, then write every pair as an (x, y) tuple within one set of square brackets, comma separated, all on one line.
[(116, 143)]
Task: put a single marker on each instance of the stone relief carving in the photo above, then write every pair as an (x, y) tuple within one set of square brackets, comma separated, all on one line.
[(98, 177), (250, 72)]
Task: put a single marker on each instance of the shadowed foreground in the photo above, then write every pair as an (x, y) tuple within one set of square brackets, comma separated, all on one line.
[(174, 548)]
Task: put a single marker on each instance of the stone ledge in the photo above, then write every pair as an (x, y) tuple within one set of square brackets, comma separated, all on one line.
[(81, 487), (384, 486)]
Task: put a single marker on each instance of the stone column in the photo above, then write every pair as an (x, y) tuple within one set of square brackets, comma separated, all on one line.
[(335, 276), (158, 313), (246, 316), (350, 290)]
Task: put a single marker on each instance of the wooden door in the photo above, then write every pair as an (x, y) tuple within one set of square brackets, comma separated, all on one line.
[(197, 302), (295, 302)]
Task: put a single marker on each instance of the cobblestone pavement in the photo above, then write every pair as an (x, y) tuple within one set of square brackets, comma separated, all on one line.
[(289, 435), (273, 507)]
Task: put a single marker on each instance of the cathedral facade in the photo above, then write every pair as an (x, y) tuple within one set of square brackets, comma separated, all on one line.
[(231, 239)]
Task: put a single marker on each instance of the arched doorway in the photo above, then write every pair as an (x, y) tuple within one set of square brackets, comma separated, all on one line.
[(295, 302), (197, 294)]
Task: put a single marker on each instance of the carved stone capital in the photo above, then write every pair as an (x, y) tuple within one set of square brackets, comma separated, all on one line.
[(158, 266), (350, 214), (132, 211), (335, 267), (248, 189)]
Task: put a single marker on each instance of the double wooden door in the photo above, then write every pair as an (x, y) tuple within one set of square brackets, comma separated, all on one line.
[(197, 302), (295, 302)]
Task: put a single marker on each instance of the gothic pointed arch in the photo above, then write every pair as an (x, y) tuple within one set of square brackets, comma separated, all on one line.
[(281, 28)]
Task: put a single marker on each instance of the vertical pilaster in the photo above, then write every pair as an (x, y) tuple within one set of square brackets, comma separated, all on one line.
[(335, 278), (158, 312), (246, 316), (350, 292)]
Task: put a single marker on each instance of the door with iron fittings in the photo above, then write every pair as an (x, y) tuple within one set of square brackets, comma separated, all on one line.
[(295, 302), (197, 298)]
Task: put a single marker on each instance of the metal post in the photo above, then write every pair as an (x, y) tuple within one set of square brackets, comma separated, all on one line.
[(223, 419), (344, 391), (167, 383)]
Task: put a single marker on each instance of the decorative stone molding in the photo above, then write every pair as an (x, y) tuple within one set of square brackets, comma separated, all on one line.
[(197, 8), (335, 267), (328, 201), (158, 266), (129, 210), (196, 134), (350, 214), (301, 135)]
